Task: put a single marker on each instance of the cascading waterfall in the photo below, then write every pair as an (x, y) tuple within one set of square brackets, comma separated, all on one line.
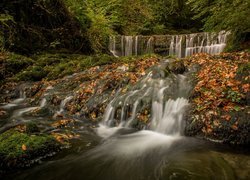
[(136, 45), (128, 45), (149, 48), (163, 96), (174, 45), (15, 102), (112, 47)]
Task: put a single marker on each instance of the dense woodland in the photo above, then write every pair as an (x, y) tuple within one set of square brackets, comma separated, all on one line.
[(85, 25)]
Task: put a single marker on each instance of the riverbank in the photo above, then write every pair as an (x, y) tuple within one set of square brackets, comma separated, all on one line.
[(221, 97)]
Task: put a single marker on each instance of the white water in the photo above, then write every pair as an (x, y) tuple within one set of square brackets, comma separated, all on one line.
[(15, 102), (136, 45), (62, 105), (43, 103), (149, 48), (128, 45), (176, 45), (165, 124), (112, 47), (19, 112)]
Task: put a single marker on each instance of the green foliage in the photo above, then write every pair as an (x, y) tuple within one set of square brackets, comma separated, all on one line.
[(230, 15), (78, 9), (234, 96), (6, 22), (33, 73), (173, 17), (135, 16), (100, 28)]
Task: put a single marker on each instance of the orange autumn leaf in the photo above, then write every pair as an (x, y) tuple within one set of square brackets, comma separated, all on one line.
[(24, 148), (234, 127), (226, 117), (228, 107), (246, 87)]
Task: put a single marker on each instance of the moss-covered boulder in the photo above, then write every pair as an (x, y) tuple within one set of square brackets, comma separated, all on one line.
[(21, 147)]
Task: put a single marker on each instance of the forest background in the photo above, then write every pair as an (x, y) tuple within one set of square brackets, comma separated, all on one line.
[(85, 25)]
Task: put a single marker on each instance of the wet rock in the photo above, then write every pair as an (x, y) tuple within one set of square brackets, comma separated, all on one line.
[(175, 66), (3, 113)]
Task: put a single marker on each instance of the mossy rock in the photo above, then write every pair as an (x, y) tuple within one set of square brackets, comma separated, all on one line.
[(11, 64), (20, 149)]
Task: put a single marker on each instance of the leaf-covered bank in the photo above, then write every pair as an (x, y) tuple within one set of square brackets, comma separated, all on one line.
[(221, 98)]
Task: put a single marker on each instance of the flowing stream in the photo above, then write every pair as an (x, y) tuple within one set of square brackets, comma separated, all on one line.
[(124, 146)]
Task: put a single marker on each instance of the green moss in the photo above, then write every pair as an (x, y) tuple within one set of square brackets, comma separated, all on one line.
[(13, 63), (54, 66), (18, 149), (12, 144), (244, 69), (31, 127), (32, 73)]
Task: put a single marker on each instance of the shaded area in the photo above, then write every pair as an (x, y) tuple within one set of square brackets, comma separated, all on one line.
[(28, 26)]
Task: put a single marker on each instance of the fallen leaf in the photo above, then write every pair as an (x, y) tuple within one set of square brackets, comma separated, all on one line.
[(24, 148)]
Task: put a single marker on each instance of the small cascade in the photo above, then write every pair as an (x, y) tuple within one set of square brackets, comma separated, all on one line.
[(136, 45), (173, 45), (171, 49), (163, 96), (62, 105), (43, 103), (149, 48), (128, 45), (18, 113), (122, 46), (112, 45), (15, 102), (168, 119), (178, 47)]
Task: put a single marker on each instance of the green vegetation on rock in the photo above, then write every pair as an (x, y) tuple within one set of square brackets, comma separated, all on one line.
[(17, 149)]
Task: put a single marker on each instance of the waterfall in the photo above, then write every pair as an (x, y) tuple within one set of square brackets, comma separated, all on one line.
[(164, 97), (136, 45), (178, 48), (112, 45), (171, 49), (149, 48), (174, 45), (148, 116)]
